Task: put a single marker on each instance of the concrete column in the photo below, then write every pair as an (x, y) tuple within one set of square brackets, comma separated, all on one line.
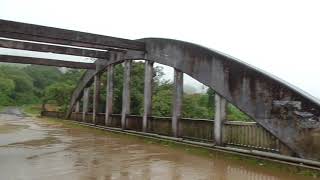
[(96, 98), (85, 103), (43, 106), (126, 93), (220, 116), (77, 106), (177, 101), (148, 74), (109, 98)]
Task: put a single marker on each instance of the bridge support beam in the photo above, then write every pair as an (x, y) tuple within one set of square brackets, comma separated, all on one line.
[(109, 98), (177, 102), (148, 71), (85, 103), (220, 116), (96, 97), (126, 93), (77, 109)]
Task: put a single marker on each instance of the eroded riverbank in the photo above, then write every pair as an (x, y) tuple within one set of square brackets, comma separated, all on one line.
[(40, 149)]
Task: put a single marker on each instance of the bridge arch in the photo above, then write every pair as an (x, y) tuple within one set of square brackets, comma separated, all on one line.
[(285, 111)]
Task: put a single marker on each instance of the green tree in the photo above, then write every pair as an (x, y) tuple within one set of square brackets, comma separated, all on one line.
[(28, 84), (118, 86), (6, 88), (61, 91), (234, 114), (43, 76), (23, 86), (162, 99), (195, 106)]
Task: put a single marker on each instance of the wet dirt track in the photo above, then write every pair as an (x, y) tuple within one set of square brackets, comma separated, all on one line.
[(37, 150)]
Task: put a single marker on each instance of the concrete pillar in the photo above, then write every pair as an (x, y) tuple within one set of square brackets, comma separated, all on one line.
[(96, 97), (109, 98), (126, 93), (77, 106), (177, 101), (43, 106), (220, 116), (148, 74), (85, 103)]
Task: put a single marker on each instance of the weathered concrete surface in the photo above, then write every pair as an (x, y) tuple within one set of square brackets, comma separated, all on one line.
[(148, 75), (251, 90), (31, 32), (46, 62), (177, 102), (85, 109), (219, 118), (271, 102), (109, 98), (126, 99), (96, 96), (77, 109), (29, 46)]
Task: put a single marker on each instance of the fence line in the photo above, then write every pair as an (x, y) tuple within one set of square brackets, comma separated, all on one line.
[(247, 135)]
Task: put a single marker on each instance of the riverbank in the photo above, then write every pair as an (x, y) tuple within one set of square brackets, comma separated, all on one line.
[(31, 109)]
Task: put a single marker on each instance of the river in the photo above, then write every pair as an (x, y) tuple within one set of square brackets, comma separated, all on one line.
[(37, 149)]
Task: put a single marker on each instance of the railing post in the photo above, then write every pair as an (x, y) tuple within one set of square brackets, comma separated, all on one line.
[(148, 74), (77, 106), (220, 116), (85, 103), (96, 97), (126, 93), (109, 98), (177, 102)]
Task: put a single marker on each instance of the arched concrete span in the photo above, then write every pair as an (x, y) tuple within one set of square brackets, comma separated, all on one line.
[(101, 64), (286, 112)]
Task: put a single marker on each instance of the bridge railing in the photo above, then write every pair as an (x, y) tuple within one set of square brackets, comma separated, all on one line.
[(247, 135)]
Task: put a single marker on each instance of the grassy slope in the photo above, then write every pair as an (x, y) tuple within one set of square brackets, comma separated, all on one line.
[(32, 109)]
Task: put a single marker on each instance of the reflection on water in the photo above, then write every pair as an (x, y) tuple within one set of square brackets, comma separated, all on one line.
[(46, 151)]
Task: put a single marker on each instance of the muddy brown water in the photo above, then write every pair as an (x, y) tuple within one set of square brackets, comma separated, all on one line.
[(35, 149)]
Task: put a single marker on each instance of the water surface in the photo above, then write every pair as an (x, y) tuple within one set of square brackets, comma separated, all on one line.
[(37, 150)]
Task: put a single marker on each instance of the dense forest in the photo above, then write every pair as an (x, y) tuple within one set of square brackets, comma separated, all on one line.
[(34, 84)]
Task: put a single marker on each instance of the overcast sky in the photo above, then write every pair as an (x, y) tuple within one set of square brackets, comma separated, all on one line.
[(281, 37)]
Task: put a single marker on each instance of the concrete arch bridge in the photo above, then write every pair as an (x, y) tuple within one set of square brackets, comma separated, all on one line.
[(284, 114)]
